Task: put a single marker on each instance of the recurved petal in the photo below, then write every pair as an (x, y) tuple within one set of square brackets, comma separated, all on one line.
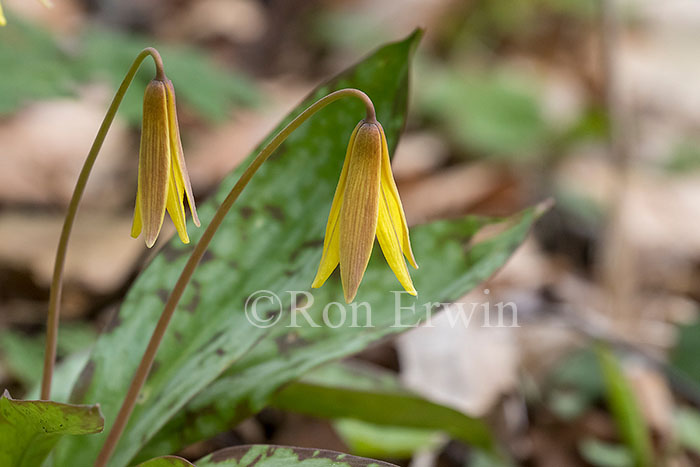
[(390, 243), (358, 213), (393, 202), (154, 161), (181, 174), (331, 242)]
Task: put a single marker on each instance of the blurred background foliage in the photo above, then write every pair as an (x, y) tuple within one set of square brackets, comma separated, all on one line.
[(510, 105)]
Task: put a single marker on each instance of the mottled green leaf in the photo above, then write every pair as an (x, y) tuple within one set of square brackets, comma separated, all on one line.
[(30, 429), (278, 456), (449, 267), (166, 461), (271, 240), (374, 395), (624, 407)]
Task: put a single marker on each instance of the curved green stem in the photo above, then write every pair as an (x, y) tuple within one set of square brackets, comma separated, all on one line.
[(174, 298), (57, 281)]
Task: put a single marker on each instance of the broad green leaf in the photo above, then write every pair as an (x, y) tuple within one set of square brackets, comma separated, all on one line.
[(278, 456), (167, 461), (271, 240), (449, 267), (375, 396), (30, 429), (393, 442), (625, 409)]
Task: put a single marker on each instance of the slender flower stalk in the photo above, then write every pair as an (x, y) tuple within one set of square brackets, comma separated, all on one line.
[(57, 281), (196, 256)]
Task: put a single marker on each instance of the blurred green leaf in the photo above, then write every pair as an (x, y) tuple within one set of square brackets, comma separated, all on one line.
[(200, 84), (602, 454), (277, 456), (30, 429), (687, 428), (489, 112), (386, 442), (685, 157), (33, 67), (24, 355), (375, 396), (684, 355), (36, 68), (575, 384), (625, 409)]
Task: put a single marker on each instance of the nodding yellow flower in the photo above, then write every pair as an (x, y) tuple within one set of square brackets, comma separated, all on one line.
[(163, 179), (366, 204), (3, 21)]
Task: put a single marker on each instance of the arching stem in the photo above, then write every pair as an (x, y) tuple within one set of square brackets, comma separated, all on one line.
[(59, 265), (174, 298)]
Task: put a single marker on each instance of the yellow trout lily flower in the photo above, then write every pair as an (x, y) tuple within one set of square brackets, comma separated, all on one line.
[(366, 204), (163, 179), (3, 21)]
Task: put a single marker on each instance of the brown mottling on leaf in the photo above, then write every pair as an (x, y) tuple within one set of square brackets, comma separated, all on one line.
[(275, 212), (220, 352), (163, 295), (170, 253), (207, 256), (289, 342), (246, 212), (309, 244), (229, 453)]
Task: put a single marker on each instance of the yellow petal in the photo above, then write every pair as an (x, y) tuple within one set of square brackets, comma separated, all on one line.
[(137, 224), (154, 161), (3, 21), (331, 242), (181, 175), (47, 3), (358, 213), (390, 243), (176, 209), (393, 202)]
